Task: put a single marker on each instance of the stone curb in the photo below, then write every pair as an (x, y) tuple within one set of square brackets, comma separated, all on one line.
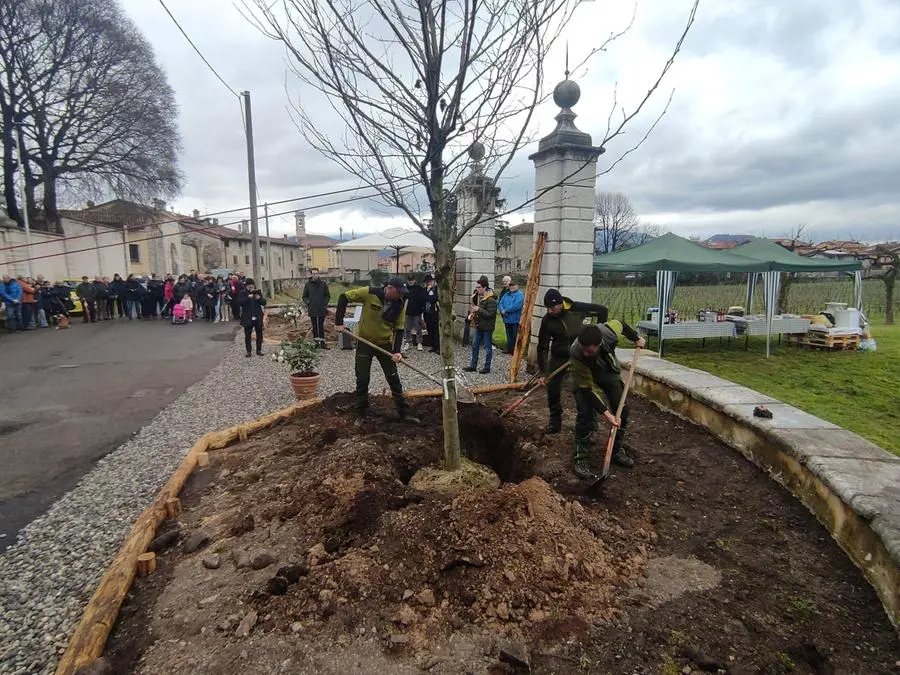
[(850, 484)]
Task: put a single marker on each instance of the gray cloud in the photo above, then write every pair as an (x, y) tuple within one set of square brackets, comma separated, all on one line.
[(781, 116)]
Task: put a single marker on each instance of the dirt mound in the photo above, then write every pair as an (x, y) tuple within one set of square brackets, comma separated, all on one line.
[(333, 501)]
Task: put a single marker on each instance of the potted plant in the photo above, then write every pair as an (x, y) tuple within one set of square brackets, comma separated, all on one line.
[(301, 356), (292, 313)]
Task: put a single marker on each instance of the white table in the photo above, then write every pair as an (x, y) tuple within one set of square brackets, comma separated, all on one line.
[(756, 325), (688, 330)]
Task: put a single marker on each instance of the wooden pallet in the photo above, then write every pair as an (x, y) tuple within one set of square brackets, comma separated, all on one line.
[(822, 341)]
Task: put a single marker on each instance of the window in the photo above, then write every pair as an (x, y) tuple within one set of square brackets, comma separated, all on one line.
[(246, 259), (234, 257), (292, 256), (280, 263), (226, 243), (134, 252)]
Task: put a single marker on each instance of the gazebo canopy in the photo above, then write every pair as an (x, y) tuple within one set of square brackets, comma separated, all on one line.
[(676, 254), (783, 260)]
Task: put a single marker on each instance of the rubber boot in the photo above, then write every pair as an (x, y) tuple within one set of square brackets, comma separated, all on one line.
[(581, 467)]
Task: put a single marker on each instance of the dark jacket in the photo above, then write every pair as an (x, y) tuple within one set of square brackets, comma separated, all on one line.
[(316, 296), (133, 289), (557, 333), (116, 288), (86, 291), (415, 301), (180, 290), (209, 295), (100, 290), (251, 307), (431, 300), (155, 286), (486, 317)]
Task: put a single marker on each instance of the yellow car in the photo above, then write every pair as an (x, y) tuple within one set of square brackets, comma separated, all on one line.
[(72, 283)]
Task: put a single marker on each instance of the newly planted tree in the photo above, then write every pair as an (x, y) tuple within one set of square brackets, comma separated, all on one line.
[(415, 85)]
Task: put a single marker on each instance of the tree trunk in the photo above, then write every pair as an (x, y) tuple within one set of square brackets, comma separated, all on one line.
[(889, 280), (9, 168), (51, 212), (786, 280), (445, 328)]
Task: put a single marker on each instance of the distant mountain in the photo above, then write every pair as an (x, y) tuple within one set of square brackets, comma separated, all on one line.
[(730, 238)]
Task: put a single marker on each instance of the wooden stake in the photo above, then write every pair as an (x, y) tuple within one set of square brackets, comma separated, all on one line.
[(203, 460), (531, 290), (146, 564), (173, 507)]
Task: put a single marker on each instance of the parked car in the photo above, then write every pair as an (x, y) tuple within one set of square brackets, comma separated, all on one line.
[(72, 283)]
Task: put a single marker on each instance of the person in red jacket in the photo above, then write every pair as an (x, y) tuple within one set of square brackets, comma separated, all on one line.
[(29, 304)]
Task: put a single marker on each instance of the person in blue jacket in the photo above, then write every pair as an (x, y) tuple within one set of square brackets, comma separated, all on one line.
[(510, 306), (11, 295)]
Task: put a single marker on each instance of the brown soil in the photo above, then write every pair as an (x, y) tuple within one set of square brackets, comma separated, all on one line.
[(277, 328), (692, 561)]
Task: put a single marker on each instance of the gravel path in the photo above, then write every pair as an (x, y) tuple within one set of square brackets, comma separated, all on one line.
[(49, 574)]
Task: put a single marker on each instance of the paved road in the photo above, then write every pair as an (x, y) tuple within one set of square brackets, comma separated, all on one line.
[(70, 397)]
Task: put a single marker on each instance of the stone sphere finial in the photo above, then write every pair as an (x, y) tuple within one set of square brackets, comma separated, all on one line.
[(566, 93), (476, 151)]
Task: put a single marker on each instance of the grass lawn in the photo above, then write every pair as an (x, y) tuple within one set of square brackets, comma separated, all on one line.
[(856, 390)]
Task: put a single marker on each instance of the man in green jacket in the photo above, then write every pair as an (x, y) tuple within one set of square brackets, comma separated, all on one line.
[(559, 327), (485, 313), (596, 376), (382, 324)]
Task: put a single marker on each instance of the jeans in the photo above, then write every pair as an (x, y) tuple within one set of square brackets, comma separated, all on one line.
[(586, 419), (482, 337), (512, 330), (363, 365), (318, 329), (431, 325), (88, 314), (133, 308), (14, 317), (42, 318), (257, 327), (28, 315), (413, 326)]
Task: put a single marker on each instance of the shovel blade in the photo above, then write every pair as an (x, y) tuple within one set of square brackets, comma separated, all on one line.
[(596, 487)]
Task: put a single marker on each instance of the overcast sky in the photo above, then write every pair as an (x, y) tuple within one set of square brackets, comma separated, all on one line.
[(783, 113)]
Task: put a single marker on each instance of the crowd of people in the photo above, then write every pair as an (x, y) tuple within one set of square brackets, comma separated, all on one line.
[(32, 303)]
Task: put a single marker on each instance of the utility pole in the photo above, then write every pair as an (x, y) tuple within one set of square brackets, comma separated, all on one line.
[(251, 174), (24, 197), (269, 252)]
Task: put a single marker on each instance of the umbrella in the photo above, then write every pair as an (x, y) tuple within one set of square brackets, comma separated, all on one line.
[(398, 239)]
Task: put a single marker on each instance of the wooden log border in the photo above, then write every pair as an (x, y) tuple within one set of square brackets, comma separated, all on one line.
[(89, 639)]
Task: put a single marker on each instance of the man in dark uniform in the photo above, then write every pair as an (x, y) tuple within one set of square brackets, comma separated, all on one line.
[(381, 323), (596, 376), (559, 327)]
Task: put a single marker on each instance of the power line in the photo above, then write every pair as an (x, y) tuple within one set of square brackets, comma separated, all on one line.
[(192, 229), (196, 49), (180, 218)]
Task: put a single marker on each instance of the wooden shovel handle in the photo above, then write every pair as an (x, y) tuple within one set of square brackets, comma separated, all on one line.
[(612, 432)]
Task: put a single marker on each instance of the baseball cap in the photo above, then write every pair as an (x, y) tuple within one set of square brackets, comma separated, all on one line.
[(552, 298), (399, 284)]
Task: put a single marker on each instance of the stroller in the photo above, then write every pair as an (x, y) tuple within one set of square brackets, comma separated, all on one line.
[(179, 315)]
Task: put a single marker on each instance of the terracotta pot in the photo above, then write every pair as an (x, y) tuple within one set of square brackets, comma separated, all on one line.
[(304, 385)]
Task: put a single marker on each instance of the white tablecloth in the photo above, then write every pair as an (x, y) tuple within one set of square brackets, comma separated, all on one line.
[(690, 329), (753, 325)]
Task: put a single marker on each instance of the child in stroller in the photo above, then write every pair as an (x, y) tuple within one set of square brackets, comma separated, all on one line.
[(179, 314)]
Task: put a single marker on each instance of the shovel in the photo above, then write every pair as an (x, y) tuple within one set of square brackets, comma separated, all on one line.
[(610, 442), (463, 395), (519, 401)]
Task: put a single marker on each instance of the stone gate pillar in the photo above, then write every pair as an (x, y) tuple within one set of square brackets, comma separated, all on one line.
[(474, 190), (565, 178)]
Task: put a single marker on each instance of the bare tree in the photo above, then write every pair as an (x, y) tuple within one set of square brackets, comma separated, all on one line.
[(615, 222), (794, 240), (887, 263), (93, 110), (417, 83)]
